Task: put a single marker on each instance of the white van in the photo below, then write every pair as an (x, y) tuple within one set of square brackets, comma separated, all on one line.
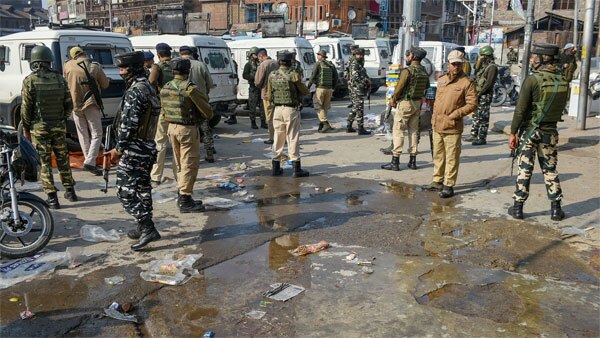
[(240, 49), (437, 53), (338, 52), (214, 53), (377, 60), (15, 52)]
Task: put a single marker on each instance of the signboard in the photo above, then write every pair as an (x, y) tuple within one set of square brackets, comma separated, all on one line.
[(497, 35)]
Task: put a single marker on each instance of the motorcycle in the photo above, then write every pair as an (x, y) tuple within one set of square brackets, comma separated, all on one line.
[(506, 87), (26, 224)]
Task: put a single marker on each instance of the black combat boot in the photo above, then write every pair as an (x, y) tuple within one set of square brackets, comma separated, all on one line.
[(70, 195), (350, 105), (447, 192), (135, 233), (210, 157), (148, 234), (263, 124), (253, 124), (326, 127), (362, 131), (394, 165), (412, 162), (53, 201), (276, 168), (471, 138), (556, 212), (298, 172), (479, 142), (320, 127), (231, 120), (516, 211), (187, 204), (349, 128)]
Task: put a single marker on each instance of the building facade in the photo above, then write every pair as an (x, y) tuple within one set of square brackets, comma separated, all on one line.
[(18, 18)]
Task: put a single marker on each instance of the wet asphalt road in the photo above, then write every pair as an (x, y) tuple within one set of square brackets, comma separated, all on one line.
[(439, 267)]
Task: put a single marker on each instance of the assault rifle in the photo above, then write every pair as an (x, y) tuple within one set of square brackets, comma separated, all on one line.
[(93, 87), (106, 160)]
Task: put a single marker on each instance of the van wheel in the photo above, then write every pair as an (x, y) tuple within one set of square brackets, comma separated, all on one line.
[(340, 93), (214, 120)]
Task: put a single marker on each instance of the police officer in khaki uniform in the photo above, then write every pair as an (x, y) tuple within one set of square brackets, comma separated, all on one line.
[(542, 100), (184, 106), (285, 90), (46, 101), (409, 91)]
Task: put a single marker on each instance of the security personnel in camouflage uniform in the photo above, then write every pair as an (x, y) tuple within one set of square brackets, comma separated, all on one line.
[(296, 65), (541, 102), (486, 73), (351, 60), (359, 85), (184, 106), (254, 100), (136, 129), (285, 90), (512, 56), (46, 102), (412, 83), (325, 76)]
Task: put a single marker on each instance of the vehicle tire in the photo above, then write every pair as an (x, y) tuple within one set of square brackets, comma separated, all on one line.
[(214, 121), (38, 214), (340, 93), (499, 96)]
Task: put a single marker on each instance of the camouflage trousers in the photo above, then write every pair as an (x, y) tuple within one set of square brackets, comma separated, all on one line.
[(46, 141), (545, 145), (133, 183), (481, 119), (254, 102), (207, 137), (358, 108)]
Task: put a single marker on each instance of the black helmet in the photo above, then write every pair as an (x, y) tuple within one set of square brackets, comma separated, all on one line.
[(418, 52), (41, 54), (131, 59), (545, 49), (359, 51), (181, 65), (285, 56)]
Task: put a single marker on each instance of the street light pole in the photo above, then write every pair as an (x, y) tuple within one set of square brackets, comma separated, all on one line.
[(527, 42), (586, 54), (492, 21), (316, 18), (110, 15), (576, 24)]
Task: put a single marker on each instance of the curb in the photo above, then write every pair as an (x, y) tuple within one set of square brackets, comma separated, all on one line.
[(504, 128)]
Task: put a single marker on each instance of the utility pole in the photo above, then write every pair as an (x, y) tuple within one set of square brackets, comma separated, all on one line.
[(492, 22), (316, 18), (576, 24), (586, 54), (467, 29), (302, 9), (110, 18), (527, 43), (474, 22)]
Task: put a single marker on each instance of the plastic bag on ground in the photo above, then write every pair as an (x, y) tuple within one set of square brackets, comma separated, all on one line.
[(94, 233), (22, 269), (174, 269), (220, 202)]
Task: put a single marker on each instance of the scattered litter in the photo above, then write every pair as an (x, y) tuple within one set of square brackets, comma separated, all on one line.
[(220, 202), (248, 199), (229, 186), (215, 177), (239, 180), (164, 196), (254, 314), (264, 303), (572, 231), (216, 137), (26, 314), (13, 299), (351, 257), (367, 270), (22, 269), (208, 334), (116, 314), (75, 256), (243, 134), (247, 140), (240, 193), (494, 191), (283, 291), (218, 234), (114, 280), (174, 269), (258, 140), (383, 184), (307, 185), (304, 250), (328, 189), (237, 166), (94, 233)]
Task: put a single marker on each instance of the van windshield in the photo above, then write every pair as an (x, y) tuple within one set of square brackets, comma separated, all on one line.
[(308, 56), (370, 54), (218, 60), (346, 49)]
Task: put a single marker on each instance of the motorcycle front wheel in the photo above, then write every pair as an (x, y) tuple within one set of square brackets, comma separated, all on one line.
[(32, 235), (499, 96)]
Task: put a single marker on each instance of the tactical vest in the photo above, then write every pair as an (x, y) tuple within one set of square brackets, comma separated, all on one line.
[(283, 93), (482, 75), (166, 73), (418, 83), (49, 96), (177, 107), (326, 74), (148, 121), (554, 91)]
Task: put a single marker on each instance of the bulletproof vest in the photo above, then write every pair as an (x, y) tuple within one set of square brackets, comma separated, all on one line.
[(482, 75), (554, 90), (418, 83), (326, 74), (176, 106), (148, 121), (50, 95), (166, 73), (283, 93)]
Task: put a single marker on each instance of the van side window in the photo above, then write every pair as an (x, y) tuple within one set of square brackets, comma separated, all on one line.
[(384, 54), (325, 48), (3, 54), (309, 57), (26, 52), (346, 48)]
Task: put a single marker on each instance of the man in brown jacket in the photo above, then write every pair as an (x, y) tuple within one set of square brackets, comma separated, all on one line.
[(266, 66), (86, 111), (456, 98)]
